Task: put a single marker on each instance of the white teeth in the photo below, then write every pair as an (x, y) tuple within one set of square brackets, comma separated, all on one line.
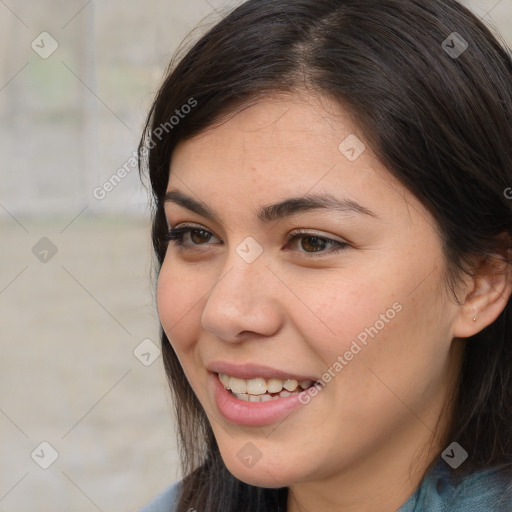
[(290, 384), (237, 385), (260, 390), (256, 386), (274, 385), (255, 398), (224, 379)]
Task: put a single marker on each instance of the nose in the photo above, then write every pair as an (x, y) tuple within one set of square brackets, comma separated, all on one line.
[(243, 302)]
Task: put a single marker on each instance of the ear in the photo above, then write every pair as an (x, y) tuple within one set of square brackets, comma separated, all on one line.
[(487, 294)]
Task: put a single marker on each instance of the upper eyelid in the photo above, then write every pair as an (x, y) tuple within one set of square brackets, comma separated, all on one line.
[(304, 232), (191, 227), (297, 233)]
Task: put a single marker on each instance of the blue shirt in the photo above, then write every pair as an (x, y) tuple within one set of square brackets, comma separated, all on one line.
[(484, 491)]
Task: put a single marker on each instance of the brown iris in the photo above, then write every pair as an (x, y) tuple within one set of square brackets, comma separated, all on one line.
[(313, 244), (199, 236)]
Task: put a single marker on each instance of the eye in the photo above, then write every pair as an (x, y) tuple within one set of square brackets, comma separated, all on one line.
[(196, 235), (314, 245), (311, 245)]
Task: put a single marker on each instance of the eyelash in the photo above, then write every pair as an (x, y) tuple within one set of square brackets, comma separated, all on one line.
[(176, 235)]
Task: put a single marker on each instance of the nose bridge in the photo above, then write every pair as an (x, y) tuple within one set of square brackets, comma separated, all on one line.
[(242, 299), (244, 277)]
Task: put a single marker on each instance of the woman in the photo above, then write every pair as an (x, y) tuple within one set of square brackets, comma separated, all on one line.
[(332, 228)]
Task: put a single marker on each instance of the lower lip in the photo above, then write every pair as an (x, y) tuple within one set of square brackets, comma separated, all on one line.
[(254, 414)]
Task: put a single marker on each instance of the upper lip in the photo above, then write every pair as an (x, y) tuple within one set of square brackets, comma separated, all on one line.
[(252, 371)]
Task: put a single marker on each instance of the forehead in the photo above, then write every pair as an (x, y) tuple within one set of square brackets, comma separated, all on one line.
[(278, 137), (284, 146)]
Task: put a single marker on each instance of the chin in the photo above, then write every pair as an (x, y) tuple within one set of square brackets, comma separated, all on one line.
[(261, 474), (260, 478)]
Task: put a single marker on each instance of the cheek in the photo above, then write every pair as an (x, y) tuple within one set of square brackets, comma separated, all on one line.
[(178, 307), (342, 311), (371, 323)]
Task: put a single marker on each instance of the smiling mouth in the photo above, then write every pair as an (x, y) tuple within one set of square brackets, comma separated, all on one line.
[(262, 390)]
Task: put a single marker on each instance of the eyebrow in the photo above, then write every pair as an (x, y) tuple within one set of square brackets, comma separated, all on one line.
[(273, 212)]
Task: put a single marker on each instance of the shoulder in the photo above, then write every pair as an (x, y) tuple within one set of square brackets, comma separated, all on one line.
[(483, 490), (165, 501)]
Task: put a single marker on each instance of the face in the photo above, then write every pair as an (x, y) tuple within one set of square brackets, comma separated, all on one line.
[(340, 285)]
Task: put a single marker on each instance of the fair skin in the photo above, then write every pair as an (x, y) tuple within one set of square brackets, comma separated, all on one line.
[(363, 442)]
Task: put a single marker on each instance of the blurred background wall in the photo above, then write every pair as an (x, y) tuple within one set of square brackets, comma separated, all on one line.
[(85, 416)]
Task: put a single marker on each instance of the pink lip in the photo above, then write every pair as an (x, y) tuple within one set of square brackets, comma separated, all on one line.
[(254, 414), (252, 371)]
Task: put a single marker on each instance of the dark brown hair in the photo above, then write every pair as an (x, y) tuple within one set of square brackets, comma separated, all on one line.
[(440, 123)]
